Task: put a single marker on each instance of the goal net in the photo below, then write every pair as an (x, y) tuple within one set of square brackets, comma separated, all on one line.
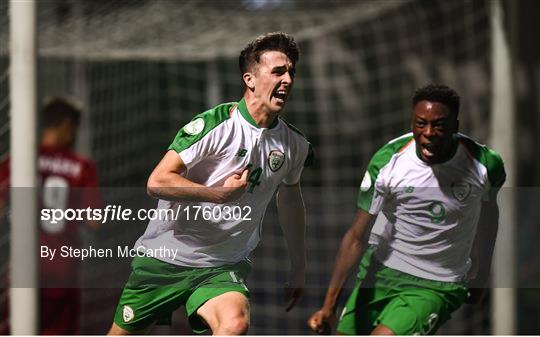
[(145, 68)]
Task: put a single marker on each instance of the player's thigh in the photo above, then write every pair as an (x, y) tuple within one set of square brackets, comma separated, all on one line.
[(232, 306), (223, 294)]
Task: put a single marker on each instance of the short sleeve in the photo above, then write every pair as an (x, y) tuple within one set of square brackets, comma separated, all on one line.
[(495, 172), (373, 189), (196, 152), (372, 193), (191, 143), (194, 141), (293, 176), (493, 163)]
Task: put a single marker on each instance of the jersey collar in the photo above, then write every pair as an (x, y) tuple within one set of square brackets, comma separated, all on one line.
[(242, 107)]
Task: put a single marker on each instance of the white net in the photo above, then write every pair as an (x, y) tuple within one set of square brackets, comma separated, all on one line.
[(144, 68)]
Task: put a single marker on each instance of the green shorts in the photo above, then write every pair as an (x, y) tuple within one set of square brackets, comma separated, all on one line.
[(405, 304), (156, 288)]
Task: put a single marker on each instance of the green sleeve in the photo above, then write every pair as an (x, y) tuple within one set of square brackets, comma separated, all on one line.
[(377, 162), (200, 126), (489, 158)]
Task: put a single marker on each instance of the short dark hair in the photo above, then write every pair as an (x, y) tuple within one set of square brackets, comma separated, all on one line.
[(276, 41), (438, 93), (57, 109)]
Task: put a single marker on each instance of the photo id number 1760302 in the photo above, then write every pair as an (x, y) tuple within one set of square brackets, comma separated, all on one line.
[(217, 213)]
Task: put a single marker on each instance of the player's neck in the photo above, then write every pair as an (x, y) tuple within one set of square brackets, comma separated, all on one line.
[(257, 110)]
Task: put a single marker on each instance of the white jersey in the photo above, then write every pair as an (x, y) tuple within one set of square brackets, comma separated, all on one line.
[(214, 145), (427, 214)]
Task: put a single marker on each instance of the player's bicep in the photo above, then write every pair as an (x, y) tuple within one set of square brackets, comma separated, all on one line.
[(489, 215), (170, 164), (293, 176), (289, 196), (289, 188), (362, 224)]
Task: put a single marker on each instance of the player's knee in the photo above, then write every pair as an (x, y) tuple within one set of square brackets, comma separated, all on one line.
[(236, 326)]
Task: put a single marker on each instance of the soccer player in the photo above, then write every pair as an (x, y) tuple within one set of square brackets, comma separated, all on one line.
[(430, 191), (230, 159), (68, 180)]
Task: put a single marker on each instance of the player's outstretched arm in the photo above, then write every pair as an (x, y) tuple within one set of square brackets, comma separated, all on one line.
[(166, 182), (352, 247), (291, 213), (483, 246)]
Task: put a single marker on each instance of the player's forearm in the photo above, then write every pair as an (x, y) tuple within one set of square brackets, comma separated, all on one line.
[(484, 243), (349, 252), (485, 256), (291, 214), (351, 248), (174, 187)]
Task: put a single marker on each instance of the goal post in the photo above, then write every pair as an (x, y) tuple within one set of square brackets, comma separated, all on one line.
[(503, 138), (23, 176)]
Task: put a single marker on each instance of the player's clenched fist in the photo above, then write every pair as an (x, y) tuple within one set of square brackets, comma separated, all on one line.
[(237, 180), (234, 186), (321, 322)]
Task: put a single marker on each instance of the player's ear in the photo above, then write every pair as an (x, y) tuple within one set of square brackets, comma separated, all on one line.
[(249, 80)]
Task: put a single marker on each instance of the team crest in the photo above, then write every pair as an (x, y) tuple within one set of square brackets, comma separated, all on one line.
[(194, 127), (431, 322), (461, 190), (276, 159), (128, 314)]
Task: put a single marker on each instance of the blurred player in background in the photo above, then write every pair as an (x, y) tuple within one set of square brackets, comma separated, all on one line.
[(431, 192), (68, 180), (232, 157)]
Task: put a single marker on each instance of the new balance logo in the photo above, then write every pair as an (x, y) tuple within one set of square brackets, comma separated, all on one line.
[(242, 153)]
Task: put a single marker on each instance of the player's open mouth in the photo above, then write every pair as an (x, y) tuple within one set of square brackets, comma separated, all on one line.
[(281, 95), (428, 149)]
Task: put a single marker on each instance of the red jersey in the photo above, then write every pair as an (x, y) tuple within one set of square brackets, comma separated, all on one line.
[(68, 180)]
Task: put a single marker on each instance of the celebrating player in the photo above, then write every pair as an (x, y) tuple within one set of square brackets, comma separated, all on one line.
[(69, 180), (431, 191), (231, 157)]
